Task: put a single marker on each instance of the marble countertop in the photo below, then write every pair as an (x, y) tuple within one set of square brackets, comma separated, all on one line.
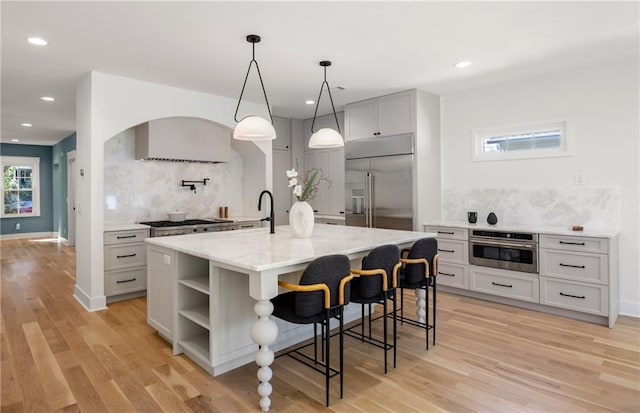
[(257, 250), (540, 229), (124, 227)]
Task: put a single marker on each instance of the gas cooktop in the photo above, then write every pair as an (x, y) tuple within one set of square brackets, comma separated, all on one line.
[(163, 224)]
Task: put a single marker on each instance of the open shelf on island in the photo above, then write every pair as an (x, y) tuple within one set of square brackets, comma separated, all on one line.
[(197, 283), (199, 315), (198, 346)]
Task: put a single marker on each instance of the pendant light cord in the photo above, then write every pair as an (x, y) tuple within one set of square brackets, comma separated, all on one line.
[(318, 103), (253, 60)]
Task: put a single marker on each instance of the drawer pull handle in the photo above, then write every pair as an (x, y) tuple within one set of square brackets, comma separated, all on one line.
[(572, 243), (572, 266), (445, 273), (502, 285), (451, 251), (445, 232), (125, 236), (125, 281), (126, 256), (246, 226), (582, 297)]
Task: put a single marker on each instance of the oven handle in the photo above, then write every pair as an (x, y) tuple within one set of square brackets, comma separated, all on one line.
[(504, 244)]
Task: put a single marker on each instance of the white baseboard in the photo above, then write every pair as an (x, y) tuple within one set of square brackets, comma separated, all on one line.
[(630, 308), (90, 304), (28, 235)]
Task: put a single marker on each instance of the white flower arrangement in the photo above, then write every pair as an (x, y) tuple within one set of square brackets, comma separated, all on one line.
[(308, 188)]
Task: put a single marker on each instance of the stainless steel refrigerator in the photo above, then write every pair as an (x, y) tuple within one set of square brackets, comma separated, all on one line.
[(379, 182)]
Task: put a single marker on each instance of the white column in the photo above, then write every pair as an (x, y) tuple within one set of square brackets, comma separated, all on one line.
[(421, 303), (264, 332), (263, 286)]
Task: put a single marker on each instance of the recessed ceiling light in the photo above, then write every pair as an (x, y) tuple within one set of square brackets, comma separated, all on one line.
[(309, 102), (26, 125), (15, 140), (47, 98), (37, 41), (462, 65)]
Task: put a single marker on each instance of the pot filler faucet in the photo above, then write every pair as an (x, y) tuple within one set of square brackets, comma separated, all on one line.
[(271, 217)]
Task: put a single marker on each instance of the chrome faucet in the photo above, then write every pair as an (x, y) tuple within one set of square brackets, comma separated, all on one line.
[(271, 217)]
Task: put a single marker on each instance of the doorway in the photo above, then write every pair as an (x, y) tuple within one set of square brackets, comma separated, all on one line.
[(71, 198)]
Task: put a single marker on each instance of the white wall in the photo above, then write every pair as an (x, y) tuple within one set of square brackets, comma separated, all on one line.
[(601, 107), (107, 105)]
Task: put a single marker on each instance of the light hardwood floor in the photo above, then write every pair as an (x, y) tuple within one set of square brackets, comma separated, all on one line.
[(57, 357)]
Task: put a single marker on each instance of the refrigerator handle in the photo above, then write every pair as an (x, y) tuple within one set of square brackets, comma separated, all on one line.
[(372, 200), (369, 208)]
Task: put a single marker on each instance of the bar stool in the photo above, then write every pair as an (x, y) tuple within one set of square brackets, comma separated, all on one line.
[(420, 266), (321, 295), (376, 284)]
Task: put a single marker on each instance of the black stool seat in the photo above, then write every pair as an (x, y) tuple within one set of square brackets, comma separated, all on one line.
[(321, 295), (420, 266), (376, 284)]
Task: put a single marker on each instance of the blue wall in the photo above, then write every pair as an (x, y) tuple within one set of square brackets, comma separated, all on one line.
[(43, 223), (59, 176)]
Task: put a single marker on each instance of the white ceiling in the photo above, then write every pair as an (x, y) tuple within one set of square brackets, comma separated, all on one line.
[(376, 48)]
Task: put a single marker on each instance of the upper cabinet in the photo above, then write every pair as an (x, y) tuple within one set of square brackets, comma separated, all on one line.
[(283, 133), (384, 116)]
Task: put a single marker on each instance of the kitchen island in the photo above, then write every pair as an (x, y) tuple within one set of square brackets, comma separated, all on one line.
[(209, 294)]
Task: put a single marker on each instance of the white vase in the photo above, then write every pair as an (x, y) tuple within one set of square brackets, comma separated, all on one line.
[(301, 219)]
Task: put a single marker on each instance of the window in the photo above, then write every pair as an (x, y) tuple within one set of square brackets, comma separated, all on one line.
[(531, 141), (20, 195)]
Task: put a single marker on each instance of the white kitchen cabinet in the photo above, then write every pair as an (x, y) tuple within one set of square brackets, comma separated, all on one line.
[(161, 299), (580, 274), (318, 159), (511, 284), (336, 175), (281, 192), (283, 133), (396, 114), (383, 116), (125, 264), (330, 198), (453, 256)]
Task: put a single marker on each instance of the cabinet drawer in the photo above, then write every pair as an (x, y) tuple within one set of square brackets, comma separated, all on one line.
[(247, 225), (124, 256), (574, 265), (453, 275), (453, 251), (569, 243), (588, 298), (519, 286), (329, 221), (125, 237), (125, 281), (448, 232)]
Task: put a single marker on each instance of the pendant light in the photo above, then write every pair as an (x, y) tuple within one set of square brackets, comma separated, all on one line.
[(254, 128), (325, 137)]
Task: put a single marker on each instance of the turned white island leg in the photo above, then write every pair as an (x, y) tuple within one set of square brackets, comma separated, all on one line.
[(421, 303), (264, 332)]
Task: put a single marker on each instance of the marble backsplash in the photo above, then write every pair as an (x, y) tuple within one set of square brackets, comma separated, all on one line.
[(558, 207), (136, 191)]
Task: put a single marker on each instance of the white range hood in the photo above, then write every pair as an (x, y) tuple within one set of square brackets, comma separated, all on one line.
[(183, 139)]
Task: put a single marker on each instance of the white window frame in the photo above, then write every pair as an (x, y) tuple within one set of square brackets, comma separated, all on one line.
[(480, 135), (34, 163)]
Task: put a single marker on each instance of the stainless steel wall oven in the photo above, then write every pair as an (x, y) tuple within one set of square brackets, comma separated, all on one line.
[(516, 251)]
